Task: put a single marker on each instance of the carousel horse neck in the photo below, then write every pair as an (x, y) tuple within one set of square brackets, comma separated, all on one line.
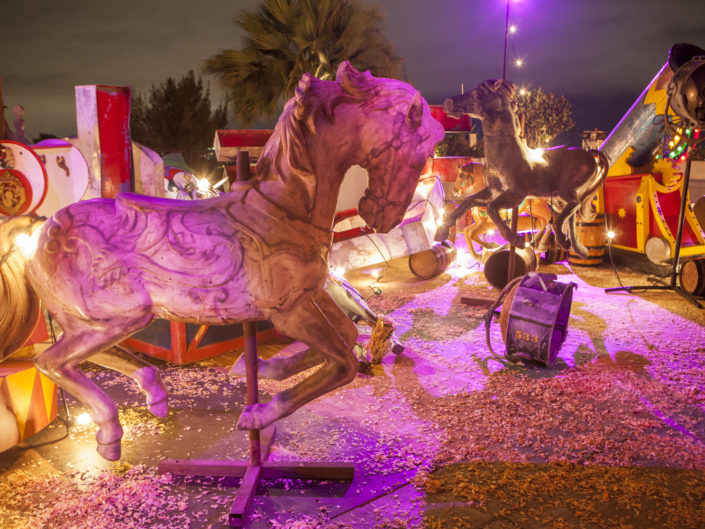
[(329, 126), (502, 142)]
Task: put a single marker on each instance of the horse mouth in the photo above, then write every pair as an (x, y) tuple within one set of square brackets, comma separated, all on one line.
[(450, 109)]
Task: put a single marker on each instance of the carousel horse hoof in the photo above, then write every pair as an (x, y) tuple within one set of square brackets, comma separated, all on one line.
[(159, 409), (256, 417), (397, 348), (110, 451), (151, 384)]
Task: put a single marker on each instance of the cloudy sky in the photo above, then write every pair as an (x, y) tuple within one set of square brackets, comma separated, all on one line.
[(599, 53)]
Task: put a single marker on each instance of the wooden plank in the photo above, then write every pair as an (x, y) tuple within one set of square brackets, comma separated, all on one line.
[(308, 470), (203, 467), (244, 496)]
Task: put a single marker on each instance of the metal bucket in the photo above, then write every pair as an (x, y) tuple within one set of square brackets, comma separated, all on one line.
[(430, 263), (534, 318), (497, 264)]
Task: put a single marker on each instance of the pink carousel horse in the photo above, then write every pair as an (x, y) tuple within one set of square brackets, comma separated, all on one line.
[(105, 268)]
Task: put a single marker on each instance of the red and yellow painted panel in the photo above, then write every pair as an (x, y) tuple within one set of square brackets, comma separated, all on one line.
[(30, 395), (641, 206)]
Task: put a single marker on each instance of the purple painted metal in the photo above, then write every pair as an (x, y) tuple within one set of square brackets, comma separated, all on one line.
[(538, 318)]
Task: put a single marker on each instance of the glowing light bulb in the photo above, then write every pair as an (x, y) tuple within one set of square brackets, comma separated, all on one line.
[(518, 63), (671, 144), (522, 92), (676, 138), (27, 243), (512, 29), (83, 419), (610, 235), (203, 184)]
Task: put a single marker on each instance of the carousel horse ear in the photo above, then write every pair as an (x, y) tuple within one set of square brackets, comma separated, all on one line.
[(497, 85), (345, 71), (301, 94), (350, 79), (415, 113)]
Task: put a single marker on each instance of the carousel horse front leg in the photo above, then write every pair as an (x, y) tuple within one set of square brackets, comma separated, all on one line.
[(506, 200), (318, 322), (481, 198)]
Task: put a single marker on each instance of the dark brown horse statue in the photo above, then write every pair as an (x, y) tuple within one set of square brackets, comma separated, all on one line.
[(567, 177)]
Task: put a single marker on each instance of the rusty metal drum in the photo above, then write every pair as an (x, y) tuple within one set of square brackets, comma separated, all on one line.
[(534, 318)]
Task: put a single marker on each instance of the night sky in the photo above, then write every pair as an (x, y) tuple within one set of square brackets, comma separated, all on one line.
[(599, 53)]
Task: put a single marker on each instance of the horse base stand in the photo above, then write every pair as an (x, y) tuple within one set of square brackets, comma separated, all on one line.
[(257, 468)]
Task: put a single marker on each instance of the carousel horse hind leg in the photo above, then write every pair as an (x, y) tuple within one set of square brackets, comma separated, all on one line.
[(566, 241), (353, 305), (319, 323), (144, 374), (60, 363)]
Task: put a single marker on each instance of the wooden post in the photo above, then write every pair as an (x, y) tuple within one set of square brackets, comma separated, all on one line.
[(3, 123), (243, 166), (512, 249), (250, 336)]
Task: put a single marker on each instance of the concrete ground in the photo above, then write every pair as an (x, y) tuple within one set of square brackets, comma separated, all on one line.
[(443, 435)]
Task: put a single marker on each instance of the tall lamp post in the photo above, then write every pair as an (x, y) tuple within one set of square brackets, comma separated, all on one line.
[(506, 41), (515, 210)]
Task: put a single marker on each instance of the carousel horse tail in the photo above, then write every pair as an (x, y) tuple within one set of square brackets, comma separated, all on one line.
[(587, 211), (19, 301)]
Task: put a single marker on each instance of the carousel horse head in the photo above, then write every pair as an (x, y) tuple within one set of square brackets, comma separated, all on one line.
[(491, 96), (397, 135)]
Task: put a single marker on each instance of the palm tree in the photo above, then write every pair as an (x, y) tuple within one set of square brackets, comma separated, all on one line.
[(287, 38)]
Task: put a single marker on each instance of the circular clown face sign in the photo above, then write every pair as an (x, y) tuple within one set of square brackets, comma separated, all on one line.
[(23, 179), (15, 192)]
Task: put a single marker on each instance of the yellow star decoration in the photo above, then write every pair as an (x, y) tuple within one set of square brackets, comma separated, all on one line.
[(622, 213)]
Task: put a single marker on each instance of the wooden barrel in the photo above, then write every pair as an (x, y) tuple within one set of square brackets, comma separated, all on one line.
[(692, 277), (497, 265), (592, 235), (430, 263)]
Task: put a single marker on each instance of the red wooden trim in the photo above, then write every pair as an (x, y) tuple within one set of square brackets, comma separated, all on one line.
[(178, 338), (149, 349), (345, 214), (180, 355), (351, 233), (198, 338)]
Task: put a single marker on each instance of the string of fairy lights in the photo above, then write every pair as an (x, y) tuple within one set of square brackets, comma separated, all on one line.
[(677, 143)]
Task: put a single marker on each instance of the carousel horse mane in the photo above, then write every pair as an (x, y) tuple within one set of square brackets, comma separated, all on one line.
[(287, 150)]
